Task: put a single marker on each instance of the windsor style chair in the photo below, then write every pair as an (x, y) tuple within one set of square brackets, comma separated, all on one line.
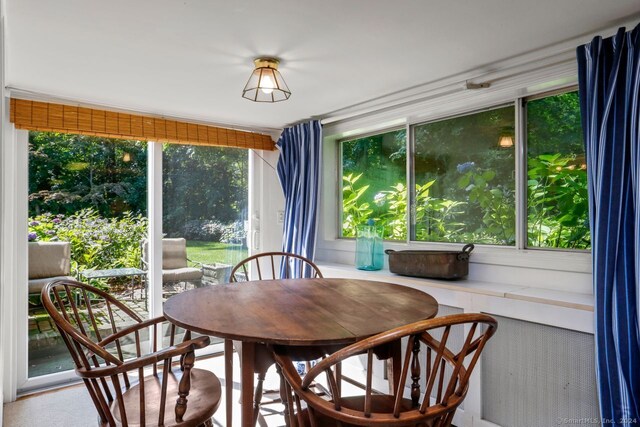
[(268, 266), (433, 383), (128, 385)]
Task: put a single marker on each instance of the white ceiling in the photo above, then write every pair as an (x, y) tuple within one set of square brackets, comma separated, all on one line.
[(191, 58)]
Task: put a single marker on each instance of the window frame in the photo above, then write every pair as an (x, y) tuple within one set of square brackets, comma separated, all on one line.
[(520, 167)]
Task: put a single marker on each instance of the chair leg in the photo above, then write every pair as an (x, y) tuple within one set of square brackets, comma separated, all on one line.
[(257, 397), (228, 376), (285, 397)]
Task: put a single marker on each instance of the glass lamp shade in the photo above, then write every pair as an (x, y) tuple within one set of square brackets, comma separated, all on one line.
[(266, 83)]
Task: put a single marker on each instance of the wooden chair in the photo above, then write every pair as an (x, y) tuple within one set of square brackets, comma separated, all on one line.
[(443, 373), (266, 266), (107, 342)]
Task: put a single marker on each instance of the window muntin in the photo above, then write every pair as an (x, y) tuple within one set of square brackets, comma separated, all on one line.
[(464, 186), (557, 199), (373, 183)]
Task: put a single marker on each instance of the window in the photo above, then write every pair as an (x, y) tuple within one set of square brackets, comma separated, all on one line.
[(462, 185), (374, 176), (205, 193), (557, 200), (205, 197), (89, 194)]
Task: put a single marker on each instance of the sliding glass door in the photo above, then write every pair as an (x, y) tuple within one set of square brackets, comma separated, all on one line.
[(99, 208), (204, 215)]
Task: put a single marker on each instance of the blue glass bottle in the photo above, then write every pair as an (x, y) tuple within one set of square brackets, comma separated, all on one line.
[(369, 253)]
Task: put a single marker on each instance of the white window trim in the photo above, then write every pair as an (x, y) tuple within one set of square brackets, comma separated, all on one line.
[(571, 268)]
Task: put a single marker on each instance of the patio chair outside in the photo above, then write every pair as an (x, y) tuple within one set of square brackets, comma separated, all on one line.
[(175, 264), (48, 261)]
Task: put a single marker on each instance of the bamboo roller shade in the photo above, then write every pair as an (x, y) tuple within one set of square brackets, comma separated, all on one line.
[(49, 117)]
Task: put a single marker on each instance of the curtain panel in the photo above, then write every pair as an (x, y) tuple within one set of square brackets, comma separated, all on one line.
[(609, 87), (299, 173)]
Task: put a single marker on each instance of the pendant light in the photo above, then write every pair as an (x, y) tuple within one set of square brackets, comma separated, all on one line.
[(266, 83)]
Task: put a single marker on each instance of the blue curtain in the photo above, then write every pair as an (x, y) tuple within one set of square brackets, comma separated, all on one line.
[(299, 173), (609, 80)]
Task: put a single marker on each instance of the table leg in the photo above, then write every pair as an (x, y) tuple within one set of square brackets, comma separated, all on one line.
[(394, 366), (247, 368), (228, 379)]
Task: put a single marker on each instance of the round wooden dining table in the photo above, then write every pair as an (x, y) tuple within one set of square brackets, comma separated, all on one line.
[(296, 312)]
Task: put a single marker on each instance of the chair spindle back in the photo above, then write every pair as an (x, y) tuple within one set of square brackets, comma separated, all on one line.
[(108, 342), (433, 382), (273, 266)]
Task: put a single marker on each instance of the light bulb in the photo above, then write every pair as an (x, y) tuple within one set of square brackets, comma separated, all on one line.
[(506, 141), (267, 85)]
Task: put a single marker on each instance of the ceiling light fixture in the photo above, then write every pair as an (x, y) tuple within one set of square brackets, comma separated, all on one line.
[(266, 83), (506, 141)]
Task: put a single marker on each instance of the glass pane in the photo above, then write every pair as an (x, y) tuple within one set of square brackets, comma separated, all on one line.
[(464, 179), (87, 219), (558, 207), (205, 220), (374, 176)]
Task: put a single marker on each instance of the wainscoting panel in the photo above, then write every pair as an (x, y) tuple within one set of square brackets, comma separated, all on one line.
[(538, 376)]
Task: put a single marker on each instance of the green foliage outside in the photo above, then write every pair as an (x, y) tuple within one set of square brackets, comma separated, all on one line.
[(92, 192), (203, 183), (554, 191), (96, 242), (558, 205), (464, 188)]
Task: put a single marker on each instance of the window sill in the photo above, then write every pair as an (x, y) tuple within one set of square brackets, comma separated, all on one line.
[(558, 260), (572, 300)]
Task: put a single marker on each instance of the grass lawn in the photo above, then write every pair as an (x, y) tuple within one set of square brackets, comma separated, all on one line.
[(210, 252)]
